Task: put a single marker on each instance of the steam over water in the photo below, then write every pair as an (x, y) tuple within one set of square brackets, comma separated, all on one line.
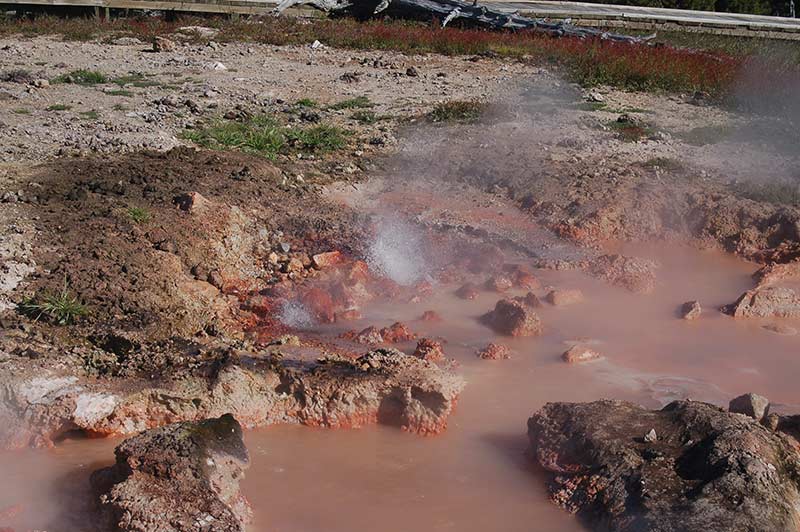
[(397, 251)]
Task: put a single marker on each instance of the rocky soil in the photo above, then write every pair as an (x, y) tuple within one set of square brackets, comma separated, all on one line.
[(689, 466)]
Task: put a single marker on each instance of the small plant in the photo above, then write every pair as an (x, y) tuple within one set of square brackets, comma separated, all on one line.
[(359, 102), (306, 102), (61, 308), (90, 115), (260, 134), (318, 138), (59, 107), (82, 77), (22, 111), (365, 117), (629, 130), (465, 111), (264, 136), (592, 106), (119, 107), (139, 215), (120, 92)]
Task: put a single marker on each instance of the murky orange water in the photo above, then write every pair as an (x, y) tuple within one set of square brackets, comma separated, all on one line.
[(475, 477)]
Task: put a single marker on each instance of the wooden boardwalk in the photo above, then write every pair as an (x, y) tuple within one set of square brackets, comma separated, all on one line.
[(602, 15)]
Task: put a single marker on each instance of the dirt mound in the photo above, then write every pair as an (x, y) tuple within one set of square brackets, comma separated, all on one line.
[(158, 245), (689, 466), (181, 477)]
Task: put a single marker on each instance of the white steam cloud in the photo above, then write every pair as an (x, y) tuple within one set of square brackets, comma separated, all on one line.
[(397, 252), (295, 315)]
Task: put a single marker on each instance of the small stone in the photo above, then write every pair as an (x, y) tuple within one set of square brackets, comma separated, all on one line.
[(467, 291), (750, 404), (580, 353), (494, 352), (429, 350), (498, 283), (215, 279), (564, 297), (691, 310), (162, 44), (651, 436), (327, 259), (285, 247), (412, 72)]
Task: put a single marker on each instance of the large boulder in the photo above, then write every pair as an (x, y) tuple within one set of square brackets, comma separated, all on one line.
[(181, 477), (689, 466), (513, 317), (771, 301)]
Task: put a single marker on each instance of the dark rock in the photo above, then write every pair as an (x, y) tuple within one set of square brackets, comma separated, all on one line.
[(750, 404), (513, 318), (180, 477), (707, 470), (690, 310)]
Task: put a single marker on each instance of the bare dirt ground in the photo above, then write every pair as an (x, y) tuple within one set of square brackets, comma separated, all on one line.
[(186, 261)]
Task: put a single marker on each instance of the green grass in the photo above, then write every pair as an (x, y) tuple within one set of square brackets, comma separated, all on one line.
[(90, 115), (306, 102), (61, 308), (320, 138), (119, 107), (21, 111), (82, 77), (776, 192), (120, 92), (591, 106), (138, 215), (365, 117), (464, 111), (137, 80), (359, 102), (263, 135), (59, 107), (629, 131)]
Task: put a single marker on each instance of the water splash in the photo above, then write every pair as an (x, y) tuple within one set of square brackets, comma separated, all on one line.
[(397, 252)]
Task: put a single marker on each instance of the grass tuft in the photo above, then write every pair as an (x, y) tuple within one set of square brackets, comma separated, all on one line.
[(59, 107), (120, 92), (82, 77), (90, 115), (139, 215), (264, 136), (61, 308), (365, 117), (464, 111), (306, 102), (359, 102)]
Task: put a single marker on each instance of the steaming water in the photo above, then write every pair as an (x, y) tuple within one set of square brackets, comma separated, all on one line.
[(397, 252), (294, 314), (475, 477)]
